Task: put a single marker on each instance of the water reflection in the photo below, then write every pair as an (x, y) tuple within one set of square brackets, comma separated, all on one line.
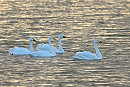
[(80, 20)]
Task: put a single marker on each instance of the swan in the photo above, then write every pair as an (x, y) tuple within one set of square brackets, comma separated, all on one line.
[(21, 50), (45, 47), (89, 55), (40, 53)]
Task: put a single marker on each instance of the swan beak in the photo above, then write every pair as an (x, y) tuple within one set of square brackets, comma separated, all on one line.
[(64, 37), (99, 41), (34, 40), (54, 38)]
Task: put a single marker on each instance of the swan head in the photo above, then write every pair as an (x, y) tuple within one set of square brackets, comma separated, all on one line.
[(51, 37), (32, 39), (97, 41), (62, 36)]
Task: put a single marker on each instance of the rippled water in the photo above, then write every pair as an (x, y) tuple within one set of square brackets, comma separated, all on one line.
[(81, 21)]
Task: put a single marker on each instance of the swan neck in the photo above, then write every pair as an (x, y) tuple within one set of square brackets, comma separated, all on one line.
[(60, 45), (97, 50), (49, 41), (51, 50), (31, 46)]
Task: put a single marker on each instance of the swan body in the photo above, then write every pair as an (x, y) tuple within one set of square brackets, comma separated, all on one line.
[(40, 53), (89, 55), (46, 47), (21, 50)]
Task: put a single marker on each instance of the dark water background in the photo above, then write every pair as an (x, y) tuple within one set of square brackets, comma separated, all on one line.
[(81, 21)]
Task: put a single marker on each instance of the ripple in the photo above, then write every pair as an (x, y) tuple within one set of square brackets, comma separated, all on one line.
[(81, 22)]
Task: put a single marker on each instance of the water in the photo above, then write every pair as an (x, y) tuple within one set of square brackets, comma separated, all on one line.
[(81, 21)]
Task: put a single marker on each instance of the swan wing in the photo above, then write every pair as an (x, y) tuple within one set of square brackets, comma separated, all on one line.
[(19, 51), (85, 55), (45, 47), (55, 49), (41, 54)]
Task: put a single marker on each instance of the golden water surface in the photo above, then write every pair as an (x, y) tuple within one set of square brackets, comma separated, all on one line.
[(81, 21)]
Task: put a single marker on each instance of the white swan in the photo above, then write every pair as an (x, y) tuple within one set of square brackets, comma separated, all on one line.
[(21, 50), (44, 53), (88, 55), (45, 47)]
